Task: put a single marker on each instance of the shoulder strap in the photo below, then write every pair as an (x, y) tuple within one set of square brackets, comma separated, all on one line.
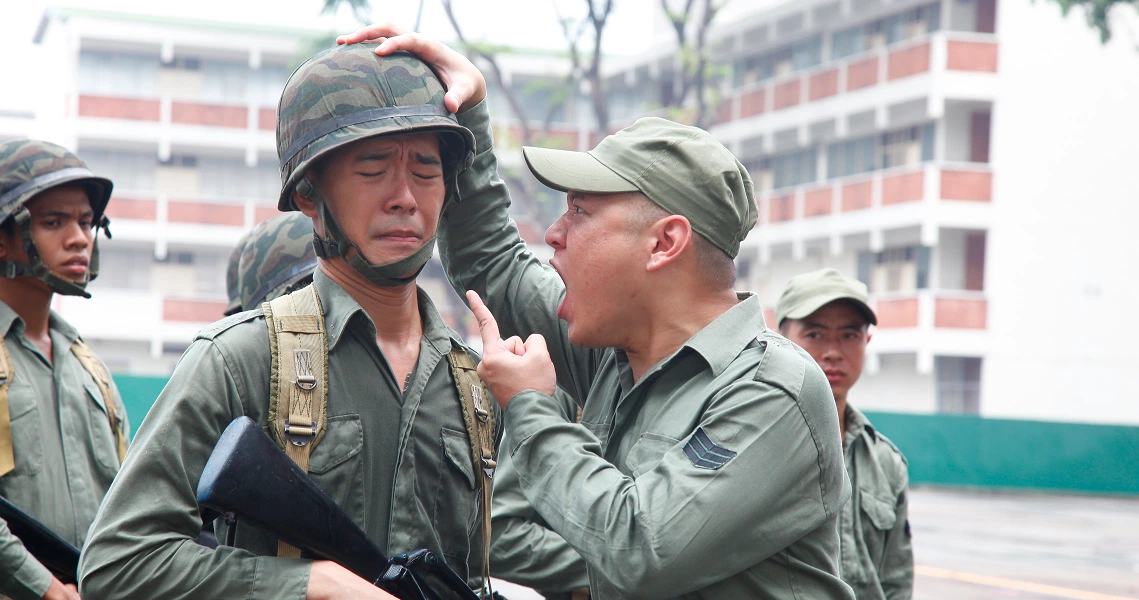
[(298, 390), (7, 452), (94, 366), (479, 418)]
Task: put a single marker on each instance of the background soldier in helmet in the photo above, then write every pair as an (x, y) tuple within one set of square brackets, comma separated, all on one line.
[(273, 259), (63, 428), (368, 152)]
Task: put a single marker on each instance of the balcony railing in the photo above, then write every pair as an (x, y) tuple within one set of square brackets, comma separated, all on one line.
[(950, 51), (152, 213), (926, 310), (180, 112), (139, 315), (954, 182)]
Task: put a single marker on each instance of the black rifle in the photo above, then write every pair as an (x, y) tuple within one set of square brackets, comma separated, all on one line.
[(57, 554), (248, 475)]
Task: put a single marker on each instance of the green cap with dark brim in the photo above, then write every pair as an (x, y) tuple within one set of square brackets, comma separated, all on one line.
[(682, 169), (809, 292)]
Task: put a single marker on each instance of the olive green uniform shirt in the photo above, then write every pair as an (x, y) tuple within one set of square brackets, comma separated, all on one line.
[(524, 550), (398, 463), (877, 558), (717, 475), (63, 444)]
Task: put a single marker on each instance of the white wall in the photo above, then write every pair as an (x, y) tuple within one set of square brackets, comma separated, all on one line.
[(1062, 252), (896, 387)]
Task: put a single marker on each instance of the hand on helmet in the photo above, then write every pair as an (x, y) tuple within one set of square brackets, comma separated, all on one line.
[(465, 85)]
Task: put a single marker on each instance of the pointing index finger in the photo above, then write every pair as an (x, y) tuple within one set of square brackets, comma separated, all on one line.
[(487, 325)]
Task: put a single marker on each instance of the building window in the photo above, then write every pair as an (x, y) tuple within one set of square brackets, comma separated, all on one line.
[(118, 74), (895, 28), (904, 147), (131, 171), (796, 168), (895, 270), (958, 384)]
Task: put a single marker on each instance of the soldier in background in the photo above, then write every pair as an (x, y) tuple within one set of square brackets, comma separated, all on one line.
[(63, 427), (275, 258), (829, 316)]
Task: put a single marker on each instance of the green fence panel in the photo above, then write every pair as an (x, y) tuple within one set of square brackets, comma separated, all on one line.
[(139, 393), (942, 449), (1006, 453)]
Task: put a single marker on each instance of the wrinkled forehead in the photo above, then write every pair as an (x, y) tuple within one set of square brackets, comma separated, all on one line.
[(422, 144)]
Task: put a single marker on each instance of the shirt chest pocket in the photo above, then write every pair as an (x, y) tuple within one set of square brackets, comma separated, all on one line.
[(878, 517), (647, 453), (27, 438), (102, 436), (335, 465), (456, 502)]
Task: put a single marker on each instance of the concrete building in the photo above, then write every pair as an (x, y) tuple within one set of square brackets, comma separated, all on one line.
[(972, 161)]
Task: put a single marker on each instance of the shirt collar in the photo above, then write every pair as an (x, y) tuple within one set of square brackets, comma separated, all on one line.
[(857, 424), (722, 340), (56, 324), (340, 308)]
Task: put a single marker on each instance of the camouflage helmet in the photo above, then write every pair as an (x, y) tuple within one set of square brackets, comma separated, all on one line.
[(232, 280), (345, 94), (30, 167), (348, 93), (278, 257)]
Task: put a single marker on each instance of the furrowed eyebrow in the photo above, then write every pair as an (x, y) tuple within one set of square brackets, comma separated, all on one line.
[(63, 213), (428, 159), (374, 156)]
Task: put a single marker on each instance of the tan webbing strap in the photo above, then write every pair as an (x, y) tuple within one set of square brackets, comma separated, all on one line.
[(94, 366), (298, 395), (479, 417), (7, 452)]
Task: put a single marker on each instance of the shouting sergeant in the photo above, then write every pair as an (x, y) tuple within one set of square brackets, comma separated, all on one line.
[(708, 462), (828, 315), (63, 428), (370, 153)]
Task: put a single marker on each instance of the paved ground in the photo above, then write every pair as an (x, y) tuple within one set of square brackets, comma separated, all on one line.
[(973, 545)]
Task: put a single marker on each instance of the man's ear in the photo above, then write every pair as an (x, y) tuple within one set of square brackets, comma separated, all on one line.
[(671, 236), (307, 206), (7, 244)]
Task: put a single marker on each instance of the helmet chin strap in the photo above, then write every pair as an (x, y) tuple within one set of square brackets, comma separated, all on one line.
[(336, 244), (35, 266)]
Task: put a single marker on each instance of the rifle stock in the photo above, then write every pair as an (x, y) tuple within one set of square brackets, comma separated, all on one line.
[(247, 474), (52, 551)]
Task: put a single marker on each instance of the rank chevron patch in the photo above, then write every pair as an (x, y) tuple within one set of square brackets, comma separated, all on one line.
[(704, 453)]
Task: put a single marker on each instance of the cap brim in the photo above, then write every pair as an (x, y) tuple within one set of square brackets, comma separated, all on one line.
[(808, 308), (566, 170)]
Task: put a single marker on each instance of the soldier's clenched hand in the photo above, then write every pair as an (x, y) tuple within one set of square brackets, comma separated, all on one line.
[(330, 581), (465, 85), (510, 366)]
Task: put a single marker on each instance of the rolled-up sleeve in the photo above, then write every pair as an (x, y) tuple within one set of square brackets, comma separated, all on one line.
[(142, 543), (655, 535)]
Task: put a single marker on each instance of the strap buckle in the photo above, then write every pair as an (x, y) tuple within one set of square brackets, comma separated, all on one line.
[(303, 362), (480, 405), (300, 435), (488, 467)]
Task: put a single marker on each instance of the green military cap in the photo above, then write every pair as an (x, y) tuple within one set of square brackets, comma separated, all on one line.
[(809, 292), (683, 169)]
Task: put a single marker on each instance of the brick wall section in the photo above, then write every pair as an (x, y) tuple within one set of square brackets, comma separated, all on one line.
[(752, 103), (823, 84), (863, 73), (118, 108), (782, 208), (193, 113), (901, 313), (975, 186), (972, 56), (908, 61), (267, 119), (787, 94), (961, 313), (192, 311), (130, 208), (817, 202), (206, 214), (904, 187), (856, 196)]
